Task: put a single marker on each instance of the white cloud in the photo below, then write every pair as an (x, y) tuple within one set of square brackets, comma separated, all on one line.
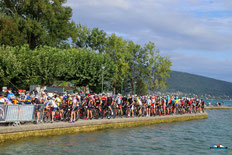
[(172, 24), (123, 4)]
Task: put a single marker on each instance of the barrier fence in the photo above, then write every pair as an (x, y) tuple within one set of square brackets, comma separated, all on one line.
[(3, 111), (16, 113)]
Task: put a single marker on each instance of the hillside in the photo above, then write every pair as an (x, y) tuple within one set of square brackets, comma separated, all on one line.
[(199, 85)]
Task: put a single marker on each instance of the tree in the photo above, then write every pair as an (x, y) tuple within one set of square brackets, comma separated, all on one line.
[(94, 39), (97, 40), (162, 72), (22, 66), (9, 33), (141, 87), (83, 34), (10, 67), (43, 22), (116, 49), (158, 68), (134, 62)]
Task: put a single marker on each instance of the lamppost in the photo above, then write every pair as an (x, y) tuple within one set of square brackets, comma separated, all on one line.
[(103, 67), (134, 88), (122, 86), (151, 90)]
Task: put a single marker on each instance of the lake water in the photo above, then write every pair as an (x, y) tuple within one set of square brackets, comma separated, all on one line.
[(214, 102), (191, 137)]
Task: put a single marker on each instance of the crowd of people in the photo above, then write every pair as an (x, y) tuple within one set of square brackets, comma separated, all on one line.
[(50, 107)]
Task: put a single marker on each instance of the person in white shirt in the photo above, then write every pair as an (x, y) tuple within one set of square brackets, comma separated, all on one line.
[(51, 104), (3, 100)]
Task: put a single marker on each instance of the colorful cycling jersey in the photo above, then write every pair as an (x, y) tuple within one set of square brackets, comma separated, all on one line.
[(103, 100), (90, 103), (9, 96), (3, 100), (43, 99), (130, 100), (139, 102), (98, 101), (70, 100), (109, 101), (118, 100), (65, 98), (51, 103), (28, 100), (75, 102), (58, 101), (124, 99), (152, 100), (85, 102), (148, 102), (177, 101), (173, 101)]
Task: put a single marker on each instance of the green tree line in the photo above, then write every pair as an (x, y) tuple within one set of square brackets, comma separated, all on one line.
[(40, 44)]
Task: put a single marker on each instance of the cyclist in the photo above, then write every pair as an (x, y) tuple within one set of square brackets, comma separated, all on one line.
[(114, 107), (90, 107), (73, 109), (202, 105), (124, 104), (119, 104), (140, 104), (28, 98), (3, 100), (152, 105), (22, 99), (43, 99), (50, 104), (144, 106), (132, 106), (57, 100), (13, 100), (148, 107), (98, 103), (164, 104), (104, 105), (109, 103), (10, 95), (129, 105), (84, 106), (38, 107), (173, 105)]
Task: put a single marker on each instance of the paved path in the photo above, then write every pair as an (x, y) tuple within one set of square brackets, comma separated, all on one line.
[(79, 123)]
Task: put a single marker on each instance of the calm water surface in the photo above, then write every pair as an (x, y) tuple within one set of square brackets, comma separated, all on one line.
[(192, 137), (214, 102)]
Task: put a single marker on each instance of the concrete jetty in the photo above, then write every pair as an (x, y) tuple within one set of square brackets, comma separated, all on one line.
[(8, 133), (217, 107)]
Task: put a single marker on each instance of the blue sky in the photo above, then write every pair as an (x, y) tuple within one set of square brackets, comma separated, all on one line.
[(195, 34)]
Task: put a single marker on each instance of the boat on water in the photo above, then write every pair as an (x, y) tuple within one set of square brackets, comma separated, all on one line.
[(219, 147)]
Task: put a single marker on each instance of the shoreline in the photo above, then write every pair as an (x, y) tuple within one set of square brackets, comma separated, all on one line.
[(9, 133), (217, 107)]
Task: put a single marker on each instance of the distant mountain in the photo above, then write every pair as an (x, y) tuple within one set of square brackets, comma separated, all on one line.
[(199, 85)]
